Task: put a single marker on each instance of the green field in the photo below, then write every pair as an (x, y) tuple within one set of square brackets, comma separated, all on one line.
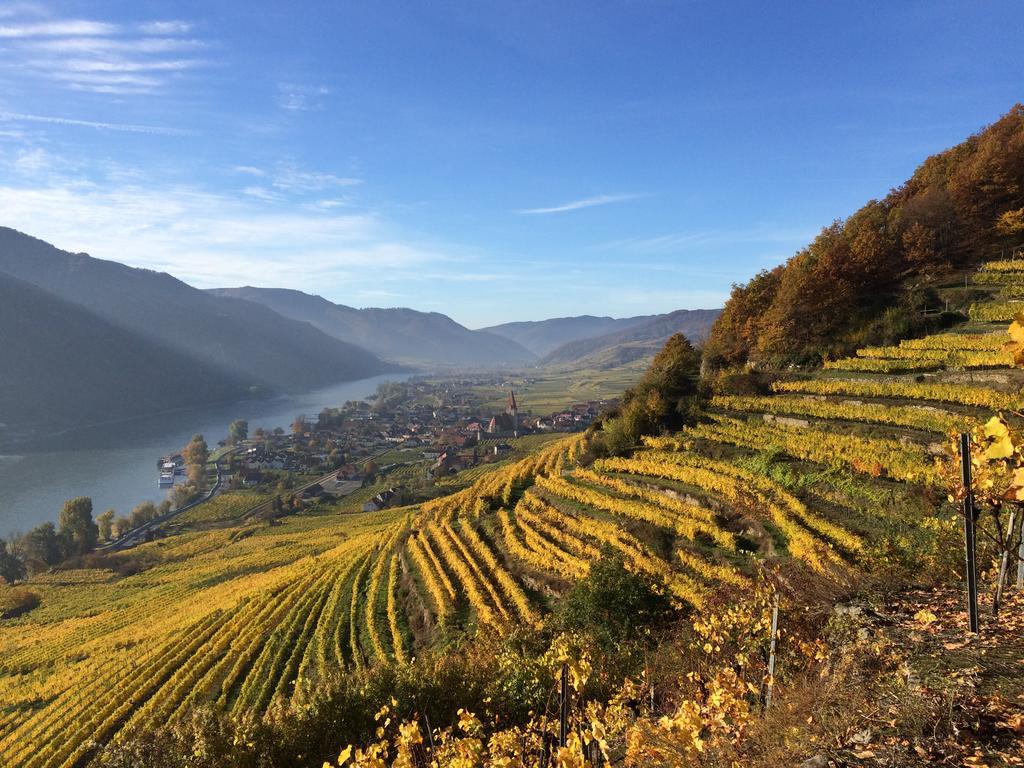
[(544, 392)]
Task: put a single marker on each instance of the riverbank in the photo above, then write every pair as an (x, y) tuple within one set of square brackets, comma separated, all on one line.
[(115, 465)]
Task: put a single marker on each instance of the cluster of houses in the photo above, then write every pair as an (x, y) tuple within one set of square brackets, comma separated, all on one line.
[(575, 419), (255, 463), (445, 420)]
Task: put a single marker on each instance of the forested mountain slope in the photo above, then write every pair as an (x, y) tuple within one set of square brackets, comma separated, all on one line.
[(63, 366), (870, 279), (395, 333), (243, 339)]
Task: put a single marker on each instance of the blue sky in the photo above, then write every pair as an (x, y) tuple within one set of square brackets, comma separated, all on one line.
[(491, 160)]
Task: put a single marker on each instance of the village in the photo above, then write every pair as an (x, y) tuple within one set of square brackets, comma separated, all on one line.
[(400, 443)]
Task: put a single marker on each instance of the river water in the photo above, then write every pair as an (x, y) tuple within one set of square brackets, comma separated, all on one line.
[(117, 465)]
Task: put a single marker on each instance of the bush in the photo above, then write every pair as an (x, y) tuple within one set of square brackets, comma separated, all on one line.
[(906, 319), (668, 395), (183, 494), (14, 601), (615, 606), (612, 440), (745, 382)]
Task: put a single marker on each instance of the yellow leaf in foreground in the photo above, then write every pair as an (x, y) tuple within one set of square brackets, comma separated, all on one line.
[(996, 428), (1000, 448)]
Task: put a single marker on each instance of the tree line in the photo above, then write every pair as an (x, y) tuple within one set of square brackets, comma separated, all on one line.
[(78, 532), (870, 279)]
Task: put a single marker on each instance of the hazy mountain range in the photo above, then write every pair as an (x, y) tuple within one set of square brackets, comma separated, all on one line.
[(246, 340), (635, 341), (85, 341), (396, 334), (433, 339), (154, 340), (542, 337)]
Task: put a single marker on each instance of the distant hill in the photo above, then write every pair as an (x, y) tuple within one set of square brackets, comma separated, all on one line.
[(397, 334), (544, 336), (635, 341), (64, 366), (245, 341), (617, 355), (876, 277)]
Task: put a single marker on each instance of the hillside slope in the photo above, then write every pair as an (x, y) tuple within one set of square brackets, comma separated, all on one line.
[(814, 482), (634, 342), (243, 339), (869, 279), (64, 366), (397, 333), (544, 336)]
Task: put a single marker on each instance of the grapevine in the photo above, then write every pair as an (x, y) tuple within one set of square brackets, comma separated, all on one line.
[(946, 393)]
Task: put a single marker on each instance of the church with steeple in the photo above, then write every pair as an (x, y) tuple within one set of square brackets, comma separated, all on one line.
[(506, 424)]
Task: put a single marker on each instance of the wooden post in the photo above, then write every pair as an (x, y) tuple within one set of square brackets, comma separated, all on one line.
[(563, 708), (1004, 561), (430, 731), (771, 652), (1020, 556), (969, 533)]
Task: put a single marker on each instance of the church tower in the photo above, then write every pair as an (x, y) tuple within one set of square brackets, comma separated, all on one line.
[(513, 411)]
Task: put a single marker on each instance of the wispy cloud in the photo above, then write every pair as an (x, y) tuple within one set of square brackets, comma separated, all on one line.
[(8, 10), (212, 239), (57, 29), (101, 46), (74, 66), (261, 193), (678, 241), (166, 27), (287, 176), (295, 97), (587, 202), (127, 127), (96, 80), (331, 203), (96, 55), (30, 162)]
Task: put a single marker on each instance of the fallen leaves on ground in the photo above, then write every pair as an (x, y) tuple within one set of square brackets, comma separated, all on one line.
[(982, 676)]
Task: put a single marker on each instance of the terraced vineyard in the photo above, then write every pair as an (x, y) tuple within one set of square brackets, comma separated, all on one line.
[(248, 617), (227, 506)]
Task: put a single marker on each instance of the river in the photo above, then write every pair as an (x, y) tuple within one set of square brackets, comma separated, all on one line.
[(116, 465)]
